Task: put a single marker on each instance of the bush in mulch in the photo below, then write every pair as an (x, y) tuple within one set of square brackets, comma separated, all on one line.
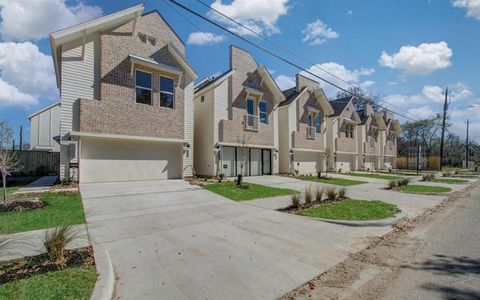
[(22, 205), (40, 264), (331, 193)]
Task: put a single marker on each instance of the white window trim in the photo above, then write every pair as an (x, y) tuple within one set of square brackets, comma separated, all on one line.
[(160, 91), (259, 112), (142, 87)]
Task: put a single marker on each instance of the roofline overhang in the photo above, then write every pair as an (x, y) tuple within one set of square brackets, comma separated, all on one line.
[(380, 121), (43, 109), (150, 63), (217, 82), (266, 77), (323, 101), (60, 37), (181, 60), (82, 134)]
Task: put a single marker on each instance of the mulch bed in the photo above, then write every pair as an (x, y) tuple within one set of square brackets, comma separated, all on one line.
[(40, 264), (22, 205)]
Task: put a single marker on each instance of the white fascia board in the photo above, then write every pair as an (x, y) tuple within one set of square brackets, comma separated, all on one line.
[(271, 83), (323, 101), (81, 134), (181, 60), (217, 82), (43, 109)]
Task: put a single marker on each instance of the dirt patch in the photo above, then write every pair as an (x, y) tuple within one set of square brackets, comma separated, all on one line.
[(22, 205), (40, 264), (381, 259)]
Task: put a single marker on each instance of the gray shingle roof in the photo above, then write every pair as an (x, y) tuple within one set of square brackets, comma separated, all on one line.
[(290, 95), (339, 105)]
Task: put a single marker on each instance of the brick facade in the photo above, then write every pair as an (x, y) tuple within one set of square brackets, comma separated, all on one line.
[(116, 112), (246, 75)]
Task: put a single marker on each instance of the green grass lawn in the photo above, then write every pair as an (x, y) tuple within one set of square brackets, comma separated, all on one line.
[(332, 180), (73, 283), (60, 209), (355, 210), (255, 191), (424, 189), (451, 180), (16, 183), (374, 175)]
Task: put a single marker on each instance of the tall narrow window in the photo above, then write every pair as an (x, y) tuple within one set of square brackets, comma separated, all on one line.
[(318, 121), (250, 107), (167, 98), (262, 108), (143, 87), (309, 120), (349, 131)]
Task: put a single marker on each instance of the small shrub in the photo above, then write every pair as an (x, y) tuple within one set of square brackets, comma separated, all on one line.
[(296, 200), (308, 195), (342, 193), (331, 193), (403, 182), (220, 177), (318, 194), (55, 241), (428, 177), (447, 174), (392, 184)]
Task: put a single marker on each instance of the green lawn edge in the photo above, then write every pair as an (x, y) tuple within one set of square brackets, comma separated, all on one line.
[(451, 180), (72, 283), (374, 175), (61, 209), (333, 180), (255, 191), (353, 210), (424, 189)]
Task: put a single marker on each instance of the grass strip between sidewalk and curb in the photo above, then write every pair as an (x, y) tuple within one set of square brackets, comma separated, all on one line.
[(374, 175), (60, 209), (72, 283), (250, 191), (419, 189), (332, 180), (353, 210), (451, 180)]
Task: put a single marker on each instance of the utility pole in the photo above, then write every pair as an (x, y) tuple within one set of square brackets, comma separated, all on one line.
[(445, 108), (21, 137), (466, 149)]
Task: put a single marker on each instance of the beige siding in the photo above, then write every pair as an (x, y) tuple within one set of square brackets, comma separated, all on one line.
[(45, 126), (188, 154), (204, 135), (221, 107), (284, 140), (79, 79)]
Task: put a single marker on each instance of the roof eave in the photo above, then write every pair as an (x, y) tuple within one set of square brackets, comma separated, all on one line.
[(273, 85)]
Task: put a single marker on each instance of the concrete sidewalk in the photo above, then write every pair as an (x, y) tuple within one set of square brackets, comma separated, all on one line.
[(30, 243)]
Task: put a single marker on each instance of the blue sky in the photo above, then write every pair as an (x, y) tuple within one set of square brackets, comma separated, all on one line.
[(406, 51)]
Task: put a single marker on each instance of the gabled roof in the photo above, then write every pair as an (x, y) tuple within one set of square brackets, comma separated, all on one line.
[(208, 81), (273, 86), (60, 37), (44, 109), (339, 105), (290, 96)]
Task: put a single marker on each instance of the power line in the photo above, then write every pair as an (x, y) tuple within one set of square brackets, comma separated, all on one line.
[(296, 55), (279, 57)]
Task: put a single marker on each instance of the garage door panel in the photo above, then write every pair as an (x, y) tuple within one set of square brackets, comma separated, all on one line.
[(308, 162), (103, 161)]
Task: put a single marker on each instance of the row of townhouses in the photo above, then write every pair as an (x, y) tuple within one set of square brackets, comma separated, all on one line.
[(130, 110)]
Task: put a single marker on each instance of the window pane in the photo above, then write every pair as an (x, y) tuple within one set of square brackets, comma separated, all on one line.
[(262, 106), (317, 123), (166, 100), (143, 79), (309, 120), (250, 107), (166, 85), (263, 118), (143, 96)]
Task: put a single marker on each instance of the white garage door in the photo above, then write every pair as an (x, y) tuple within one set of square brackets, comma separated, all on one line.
[(112, 160), (308, 162)]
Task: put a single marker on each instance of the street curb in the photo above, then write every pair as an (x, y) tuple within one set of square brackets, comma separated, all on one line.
[(374, 223), (105, 285)]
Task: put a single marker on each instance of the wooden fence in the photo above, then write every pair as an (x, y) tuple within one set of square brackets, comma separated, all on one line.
[(425, 163), (38, 162)]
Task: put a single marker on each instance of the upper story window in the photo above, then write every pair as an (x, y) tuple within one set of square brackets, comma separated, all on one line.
[(262, 111), (142, 37), (310, 120), (349, 130), (318, 122), (143, 87), (250, 107), (393, 137), (375, 136), (167, 98)]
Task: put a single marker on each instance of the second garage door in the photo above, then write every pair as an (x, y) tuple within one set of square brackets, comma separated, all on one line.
[(112, 160)]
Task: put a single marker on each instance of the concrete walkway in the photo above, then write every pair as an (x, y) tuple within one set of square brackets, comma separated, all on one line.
[(40, 185), (30, 243), (172, 240)]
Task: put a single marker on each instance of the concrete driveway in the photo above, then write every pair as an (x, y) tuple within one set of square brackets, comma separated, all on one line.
[(171, 240)]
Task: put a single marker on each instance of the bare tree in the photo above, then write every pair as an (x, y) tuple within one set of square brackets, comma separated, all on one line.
[(8, 164), (243, 141), (6, 135)]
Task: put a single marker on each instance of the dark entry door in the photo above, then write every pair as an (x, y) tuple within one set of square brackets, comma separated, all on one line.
[(266, 162)]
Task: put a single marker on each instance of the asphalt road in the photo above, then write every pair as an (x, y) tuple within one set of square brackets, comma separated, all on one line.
[(447, 265)]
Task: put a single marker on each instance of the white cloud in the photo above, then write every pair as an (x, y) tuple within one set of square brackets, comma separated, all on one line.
[(11, 96), (421, 112), (203, 38), (259, 15), (26, 74), (472, 7), (350, 12), (285, 82), (317, 33), (421, 60), (350, 76), (34, 19)]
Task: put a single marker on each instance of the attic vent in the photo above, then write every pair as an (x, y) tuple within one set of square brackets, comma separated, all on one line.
[(142, 37), (152, 41), (146, 39)]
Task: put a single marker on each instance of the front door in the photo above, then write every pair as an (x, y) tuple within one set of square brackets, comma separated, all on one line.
[(267, 165), (255, 162)]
